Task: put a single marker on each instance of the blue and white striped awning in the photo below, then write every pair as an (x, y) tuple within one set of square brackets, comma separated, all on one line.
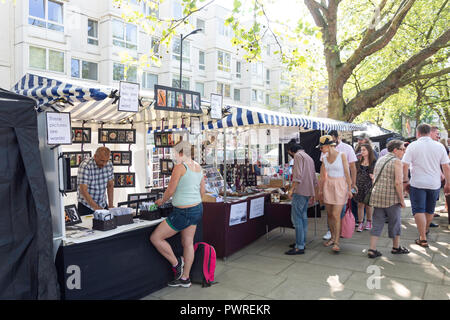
[(89, 103), (251, 116)]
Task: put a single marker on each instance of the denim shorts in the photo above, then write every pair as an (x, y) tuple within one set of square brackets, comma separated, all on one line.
[(423, 200), (180, 218)]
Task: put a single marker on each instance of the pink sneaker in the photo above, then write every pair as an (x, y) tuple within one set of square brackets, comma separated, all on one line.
[(360, 227), (368, 225)]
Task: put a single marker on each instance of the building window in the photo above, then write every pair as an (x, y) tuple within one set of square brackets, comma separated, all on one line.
[(200, 87), (84, 69), (46, 59), (201, 25), (284, 100), (92, 32), (223, 61), (151, 8), (177, 10), (176, 50), (237, 95), (267, 99), (149, 80), (119, 73), (267, 76), (223, 29), (224, 89), (257, 95), (201, 60), (46, 14), (124, 35), (238, 69), (186, 82), (155, 44), (257, 70)]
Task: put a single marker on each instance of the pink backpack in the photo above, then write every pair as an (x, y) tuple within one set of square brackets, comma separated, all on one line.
[(348, 222), (204, 264)]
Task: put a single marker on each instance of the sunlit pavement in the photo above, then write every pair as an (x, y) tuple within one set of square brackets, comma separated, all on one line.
[(262, 270)]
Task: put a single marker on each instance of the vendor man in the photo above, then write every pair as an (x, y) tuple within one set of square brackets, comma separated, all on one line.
[(95, 177)]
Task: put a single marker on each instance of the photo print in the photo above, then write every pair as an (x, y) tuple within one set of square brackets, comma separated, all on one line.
[(164, 139), (171, 99), (170, 139), (131, 136), (196, 102), (112, 136), (117, 158), (188, 101), (122, 136), (180, 100), (161, 101), (103, 136), (71, 215), (126, 158)]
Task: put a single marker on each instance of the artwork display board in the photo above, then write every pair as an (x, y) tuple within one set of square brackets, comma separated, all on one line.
[(115, 136), (77, 157), (81, 135), (176, 99), (121, 158), (124, 180)]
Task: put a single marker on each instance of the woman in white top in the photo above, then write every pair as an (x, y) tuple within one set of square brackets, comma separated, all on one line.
[(335, 187)]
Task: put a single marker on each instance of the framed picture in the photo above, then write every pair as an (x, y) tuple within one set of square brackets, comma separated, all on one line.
[(77, 157), (188, 101), (124, 180), (126, 158), (180, 100), (176, 99), (131, 136), (170, 141), (161, 100), (166, 166), (71, 215), (112, 136), (81, 135), (103, 136), (117, 158), (158, 142), (164, 140), (122, 138)]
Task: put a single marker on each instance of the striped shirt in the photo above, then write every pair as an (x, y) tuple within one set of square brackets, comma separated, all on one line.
[(96, 179), (383, 192)]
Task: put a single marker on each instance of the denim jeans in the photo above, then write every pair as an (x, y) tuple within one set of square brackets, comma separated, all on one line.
[(299, 217)]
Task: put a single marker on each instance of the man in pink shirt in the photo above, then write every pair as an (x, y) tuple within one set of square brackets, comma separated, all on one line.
[(304, 187), (351, 158)]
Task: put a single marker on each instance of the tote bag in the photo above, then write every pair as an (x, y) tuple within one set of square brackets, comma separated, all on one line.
[(348, 222)]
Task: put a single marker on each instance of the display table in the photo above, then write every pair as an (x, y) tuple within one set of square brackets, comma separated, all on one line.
[(226, 238), (279, 214), (124, 265)]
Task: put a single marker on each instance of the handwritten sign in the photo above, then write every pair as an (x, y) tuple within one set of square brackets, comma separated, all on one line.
[(195, 125), (216, 106), (256, 208), (59, 130), (129, 97)]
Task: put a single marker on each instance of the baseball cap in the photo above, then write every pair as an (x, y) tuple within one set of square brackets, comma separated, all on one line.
[(326, 141)]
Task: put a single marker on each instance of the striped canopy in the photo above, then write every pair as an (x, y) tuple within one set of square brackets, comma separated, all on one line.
[(246, 116)]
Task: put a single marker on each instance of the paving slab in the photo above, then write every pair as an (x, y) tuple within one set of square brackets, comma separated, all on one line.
[(196, 292), (391, 287), (260, 264), (342, 261), (437, 292), (249, 281), (278, 252), (418, 272), (293, 289), (317, 273)]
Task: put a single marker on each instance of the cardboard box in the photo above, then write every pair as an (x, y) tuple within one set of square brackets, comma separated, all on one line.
[(276, 183), (208, 198)]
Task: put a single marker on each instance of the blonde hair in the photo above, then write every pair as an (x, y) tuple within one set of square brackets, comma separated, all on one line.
[(183, 149)]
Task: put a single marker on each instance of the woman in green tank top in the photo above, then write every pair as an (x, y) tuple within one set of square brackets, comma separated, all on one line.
[(186, 187)]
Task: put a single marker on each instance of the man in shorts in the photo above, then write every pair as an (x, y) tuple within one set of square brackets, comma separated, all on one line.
[(425, 157)]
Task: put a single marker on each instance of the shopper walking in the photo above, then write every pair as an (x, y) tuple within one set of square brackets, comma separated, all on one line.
[(364, 177), (346, 149), (335, 187), (387, 198), (304, 187), (187, 186), (425, 157)]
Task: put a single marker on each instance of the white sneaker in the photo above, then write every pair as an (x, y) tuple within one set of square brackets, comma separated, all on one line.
[(327, 236)]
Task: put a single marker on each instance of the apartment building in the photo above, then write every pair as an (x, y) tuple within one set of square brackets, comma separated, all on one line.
[(82, 40)]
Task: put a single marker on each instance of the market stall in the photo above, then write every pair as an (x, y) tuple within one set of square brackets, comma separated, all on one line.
[(244, 137), (89, 118)]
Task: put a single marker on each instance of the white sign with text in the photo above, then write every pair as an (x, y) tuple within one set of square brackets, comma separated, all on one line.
[(59, 130), (256, 208), (129, 97), (238, 213)]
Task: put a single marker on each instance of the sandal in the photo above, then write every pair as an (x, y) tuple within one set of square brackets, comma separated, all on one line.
[(372, 254), (399, 250), (328, 243), (336, 248), (422, 243)]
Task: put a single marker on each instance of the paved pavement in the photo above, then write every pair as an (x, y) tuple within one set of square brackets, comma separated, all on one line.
[(262, 271)]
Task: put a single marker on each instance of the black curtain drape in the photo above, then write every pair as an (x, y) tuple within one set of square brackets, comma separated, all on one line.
[(309, 140), (27, 270)]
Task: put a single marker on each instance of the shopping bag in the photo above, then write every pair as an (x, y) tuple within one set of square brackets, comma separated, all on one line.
[(348, 222)]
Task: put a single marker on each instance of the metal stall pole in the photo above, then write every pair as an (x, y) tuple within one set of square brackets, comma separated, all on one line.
[(225, 164), (282, 160)]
